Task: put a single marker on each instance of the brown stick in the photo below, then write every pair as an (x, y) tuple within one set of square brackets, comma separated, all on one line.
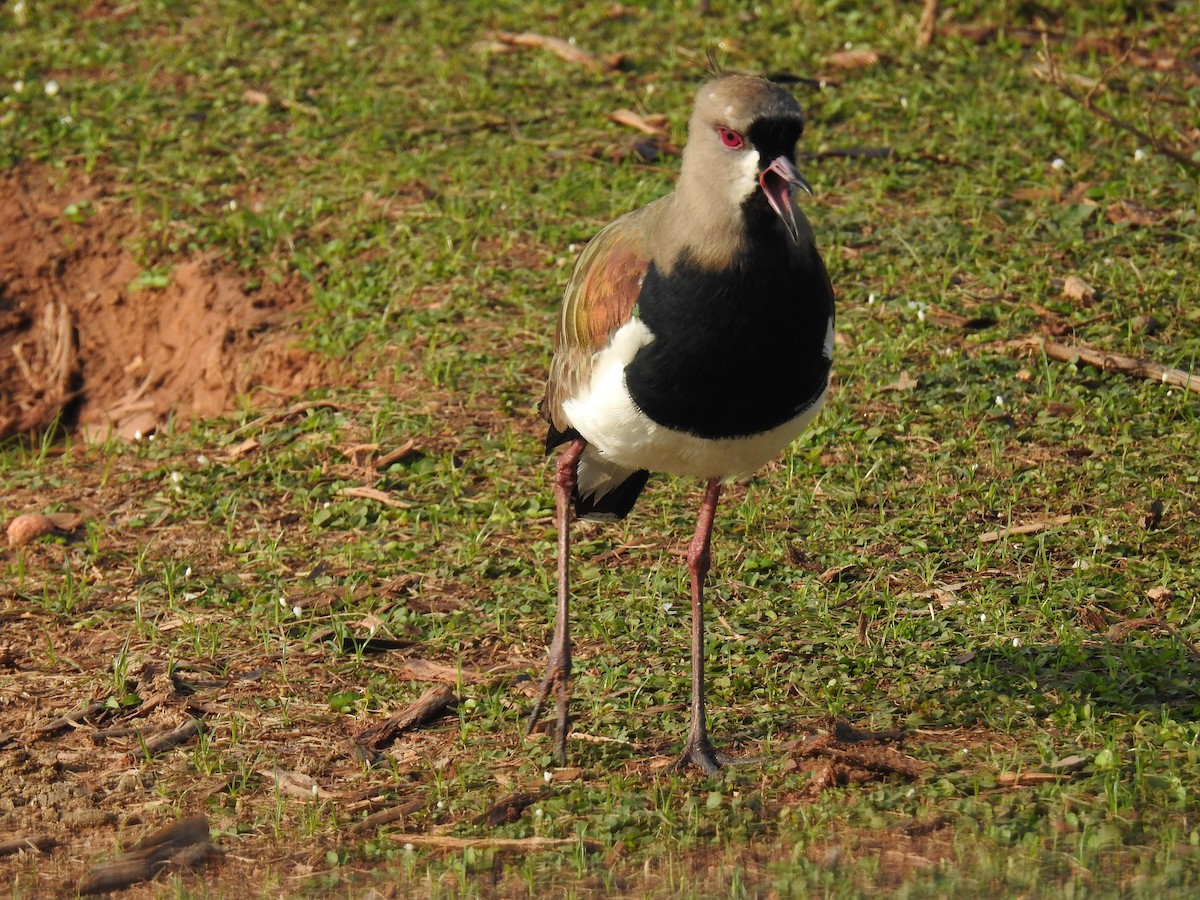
[(71, 719), (1026, 779), (362, 492), (928, 25), (389, 815), (428, 706), (39, 842), (1126, 365), (446, 842), (990, 537), (172, 738)]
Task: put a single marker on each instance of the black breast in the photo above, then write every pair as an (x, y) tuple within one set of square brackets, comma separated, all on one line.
[(738, 352)]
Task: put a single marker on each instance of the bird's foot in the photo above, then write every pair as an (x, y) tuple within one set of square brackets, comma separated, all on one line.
[(558, 679), (700, 752)]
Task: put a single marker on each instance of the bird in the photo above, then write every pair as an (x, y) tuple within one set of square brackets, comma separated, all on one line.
[(695, 339)]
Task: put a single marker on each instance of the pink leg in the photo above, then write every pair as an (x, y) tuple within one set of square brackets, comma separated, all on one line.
[(698, 749), (558, 665)]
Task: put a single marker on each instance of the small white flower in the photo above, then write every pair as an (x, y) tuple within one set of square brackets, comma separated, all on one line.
[(187, 573), (65, 120), (1016, 642), (849, 45), (283, 602), (871, 297), (667, 608), (297, 610), (315, 789), (176, 478), (202, 460), (408, 848), (548, 777), (137, 435), (538, 813), (1058, 163), (50, 87), (904, 103), (999, 400), (18, 86), (352, 41), (983, 617), (441, 804), (1106, 540), (1139, 155), (233, 206)]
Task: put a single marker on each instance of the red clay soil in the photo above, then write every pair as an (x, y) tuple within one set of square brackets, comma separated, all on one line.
[(81, 342)]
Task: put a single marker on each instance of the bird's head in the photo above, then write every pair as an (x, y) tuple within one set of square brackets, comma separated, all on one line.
[(741, 149)]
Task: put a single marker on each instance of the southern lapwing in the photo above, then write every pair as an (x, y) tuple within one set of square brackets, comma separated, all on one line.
[(696, 338)]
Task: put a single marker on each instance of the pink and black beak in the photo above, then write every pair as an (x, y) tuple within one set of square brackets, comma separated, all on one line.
[(777, 181)]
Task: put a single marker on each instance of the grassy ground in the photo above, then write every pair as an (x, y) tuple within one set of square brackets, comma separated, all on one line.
[(993, 551)]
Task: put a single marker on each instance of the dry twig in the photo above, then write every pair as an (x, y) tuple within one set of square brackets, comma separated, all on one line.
[(39, 842), (513, 845), (928, 25), (427, 707), (172, 738), (389, 815), (1027, 779), (990, 537), (1126, 365)]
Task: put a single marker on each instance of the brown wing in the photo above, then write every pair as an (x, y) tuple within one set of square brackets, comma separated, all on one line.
[(599, 299)]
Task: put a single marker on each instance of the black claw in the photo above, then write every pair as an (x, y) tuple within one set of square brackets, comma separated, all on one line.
[(701, 754)]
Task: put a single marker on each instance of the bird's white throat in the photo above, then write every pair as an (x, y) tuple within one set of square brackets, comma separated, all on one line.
[(745, 178)]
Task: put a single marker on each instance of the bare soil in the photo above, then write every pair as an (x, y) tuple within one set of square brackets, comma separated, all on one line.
[(86, 339)]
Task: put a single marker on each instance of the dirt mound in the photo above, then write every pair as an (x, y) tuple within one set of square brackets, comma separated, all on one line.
[(89, 338)]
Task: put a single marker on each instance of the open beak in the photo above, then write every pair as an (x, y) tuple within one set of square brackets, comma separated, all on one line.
[(777, 181)]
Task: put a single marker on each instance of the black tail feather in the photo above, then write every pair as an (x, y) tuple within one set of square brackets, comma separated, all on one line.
[(555, 438), (615, 504)]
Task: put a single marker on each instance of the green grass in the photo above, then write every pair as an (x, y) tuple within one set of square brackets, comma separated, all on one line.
[(428, 188)]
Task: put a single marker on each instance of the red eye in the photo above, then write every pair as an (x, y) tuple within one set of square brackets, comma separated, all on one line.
[(730, 138)]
